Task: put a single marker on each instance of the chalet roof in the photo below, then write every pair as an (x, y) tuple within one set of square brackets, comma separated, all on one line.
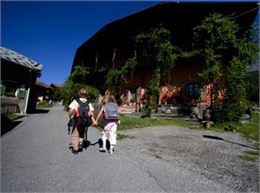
[(53, 85), (41, 84), (180, 18), (19, 59)]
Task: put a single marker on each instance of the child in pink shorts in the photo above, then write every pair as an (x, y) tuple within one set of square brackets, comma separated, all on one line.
[(110, 122)]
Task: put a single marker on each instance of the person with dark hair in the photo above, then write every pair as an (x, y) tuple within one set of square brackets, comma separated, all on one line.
[(81, 111), (110, 114)]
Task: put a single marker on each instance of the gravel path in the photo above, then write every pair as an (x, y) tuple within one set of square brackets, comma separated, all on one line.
[(209, 154), (35, 158)]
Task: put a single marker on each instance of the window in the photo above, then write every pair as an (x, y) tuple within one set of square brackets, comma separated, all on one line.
[(193, 90), (10, 88), (196, 90)]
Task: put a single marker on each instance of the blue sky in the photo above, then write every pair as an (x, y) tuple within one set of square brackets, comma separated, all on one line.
[(50, 32)]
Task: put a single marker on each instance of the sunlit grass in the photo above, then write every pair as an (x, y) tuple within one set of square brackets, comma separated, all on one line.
[(11, 116), (43, 105), (249, 129), (250, 155), (137, 122)]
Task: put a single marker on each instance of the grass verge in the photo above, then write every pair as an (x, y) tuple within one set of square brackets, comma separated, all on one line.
[(137, 122), (43, 105), (250, 155), (249, 129), (11, 116)]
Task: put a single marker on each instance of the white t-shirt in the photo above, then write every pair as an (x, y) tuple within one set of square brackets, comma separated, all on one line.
[(74, 104)]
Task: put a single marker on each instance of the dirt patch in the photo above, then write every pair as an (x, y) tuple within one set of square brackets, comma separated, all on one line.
[(214, 155)]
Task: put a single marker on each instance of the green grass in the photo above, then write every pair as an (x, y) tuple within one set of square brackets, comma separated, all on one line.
[(250, 156), (11, 116), (43, 105), (253, 153), (249, 129), (137, 122)]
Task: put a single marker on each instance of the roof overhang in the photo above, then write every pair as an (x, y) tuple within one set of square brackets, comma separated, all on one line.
[(19, 59)]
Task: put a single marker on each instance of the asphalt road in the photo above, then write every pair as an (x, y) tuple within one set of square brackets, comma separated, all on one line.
[(35, 158)]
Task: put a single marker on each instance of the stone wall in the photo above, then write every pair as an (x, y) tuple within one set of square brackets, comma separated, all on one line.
[(9, 105)]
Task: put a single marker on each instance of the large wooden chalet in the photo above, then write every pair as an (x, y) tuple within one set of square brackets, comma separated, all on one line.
[(113, 44)]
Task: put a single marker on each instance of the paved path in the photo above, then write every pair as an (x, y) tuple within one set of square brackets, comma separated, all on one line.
[(35, 158)]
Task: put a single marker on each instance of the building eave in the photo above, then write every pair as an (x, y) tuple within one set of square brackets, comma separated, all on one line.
[(19, 59)]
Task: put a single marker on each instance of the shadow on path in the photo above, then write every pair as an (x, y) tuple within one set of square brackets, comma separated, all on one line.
[(40, 111), (88, 143), (7, 124), (221, 139)]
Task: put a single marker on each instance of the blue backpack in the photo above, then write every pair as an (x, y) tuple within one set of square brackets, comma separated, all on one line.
[(111, 111), (82, 117)]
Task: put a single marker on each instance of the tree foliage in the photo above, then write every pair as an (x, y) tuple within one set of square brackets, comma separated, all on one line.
[(156, 44), (74, 83), (117, 78), (56, 94), (235, 96), (252, 90), (123, 75), (154, 83), (226, 55), (79, 74), (215, 38)]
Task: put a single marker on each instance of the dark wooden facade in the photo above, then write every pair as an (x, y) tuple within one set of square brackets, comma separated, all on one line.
[(113, 44), (15, 76)]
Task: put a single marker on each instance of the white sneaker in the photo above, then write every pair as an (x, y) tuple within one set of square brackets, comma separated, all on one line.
[(102, 149), (111, 150)]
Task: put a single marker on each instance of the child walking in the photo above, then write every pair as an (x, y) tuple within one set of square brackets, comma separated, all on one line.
[(81, 111), (110, 114)]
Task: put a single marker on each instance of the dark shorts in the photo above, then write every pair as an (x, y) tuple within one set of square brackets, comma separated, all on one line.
[(82, 126)]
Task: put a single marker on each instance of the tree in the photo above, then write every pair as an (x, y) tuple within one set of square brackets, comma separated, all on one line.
[(79, 74), (252, 90), (236, 80), (155, 44), (226, 56), (235, 96), (75, 82), (56, 94), (118, 78)]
